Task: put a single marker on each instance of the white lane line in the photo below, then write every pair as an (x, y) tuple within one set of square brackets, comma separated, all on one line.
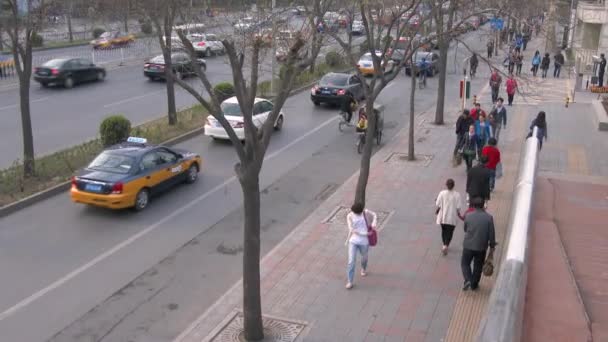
[(135, 98), (16, 104), (29, 300)]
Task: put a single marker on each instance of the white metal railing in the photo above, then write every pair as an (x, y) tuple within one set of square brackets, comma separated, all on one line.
[(584, 60)]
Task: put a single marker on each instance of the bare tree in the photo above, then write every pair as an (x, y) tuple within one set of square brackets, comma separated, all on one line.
[(21, 25), (162, 14), (380, 19), (251, 153), (443, 30)]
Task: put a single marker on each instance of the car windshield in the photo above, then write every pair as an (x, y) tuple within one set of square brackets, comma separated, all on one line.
[(112, 162), (420, 56), (334, 80), (231, 109), (366, 58), (54, 63), (158, 60)]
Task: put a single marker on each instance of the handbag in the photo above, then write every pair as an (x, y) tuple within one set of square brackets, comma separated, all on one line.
[(499, 170), (373, 236), (488, 265)]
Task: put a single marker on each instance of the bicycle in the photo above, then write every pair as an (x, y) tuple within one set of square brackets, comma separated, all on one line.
[(361, 137), (343, 121)]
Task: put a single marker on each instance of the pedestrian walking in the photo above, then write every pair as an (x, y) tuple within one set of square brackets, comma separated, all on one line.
[(499, 114), (476, 112), (483, 131), (519, 62), (558, 61), (541, 122), (526, 37), (544, 65), (510, 61), (479, 234), (478, 180), (360, 223), (511, 89), (495, 82), (493, 154), (519, 43), (448, 205), (469, 147), (535, 63), (462, 127), (601, 70), (511, 33), (490, 47)]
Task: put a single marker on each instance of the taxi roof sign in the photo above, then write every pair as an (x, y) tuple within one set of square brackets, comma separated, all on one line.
[(137, 140)]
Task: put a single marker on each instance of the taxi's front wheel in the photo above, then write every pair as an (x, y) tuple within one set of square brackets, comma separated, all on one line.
[(192, 174), (142, 199)]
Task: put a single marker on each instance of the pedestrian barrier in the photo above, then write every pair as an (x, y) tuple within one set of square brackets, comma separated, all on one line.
[(504, 317)]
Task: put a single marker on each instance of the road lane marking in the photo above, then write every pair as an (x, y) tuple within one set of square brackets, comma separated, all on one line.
[(134, 98), (58, 283), (16, 104)]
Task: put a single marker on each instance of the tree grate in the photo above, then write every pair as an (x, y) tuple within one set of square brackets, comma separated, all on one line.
[(338, 215), (421, 159), (275, 329)]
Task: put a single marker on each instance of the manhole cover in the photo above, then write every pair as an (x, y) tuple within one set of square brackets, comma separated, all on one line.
[(421, 159), (339, 216), (275, 330)]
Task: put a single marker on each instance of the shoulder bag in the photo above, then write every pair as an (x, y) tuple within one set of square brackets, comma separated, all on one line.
[(373, 236)]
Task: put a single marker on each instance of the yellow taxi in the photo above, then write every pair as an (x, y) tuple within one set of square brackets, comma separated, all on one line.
[(366, 64), (128, 174)]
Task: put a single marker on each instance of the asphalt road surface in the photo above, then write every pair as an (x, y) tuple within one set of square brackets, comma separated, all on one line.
[(59, 260), (66, 117)]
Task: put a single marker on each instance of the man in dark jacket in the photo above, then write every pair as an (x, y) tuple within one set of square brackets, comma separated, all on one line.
[(462, 127), (478, 180), (558, 61), (602, 70), (479, 234)]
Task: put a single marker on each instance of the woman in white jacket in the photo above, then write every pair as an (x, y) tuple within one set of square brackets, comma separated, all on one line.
[(359, 221), (447, 211)]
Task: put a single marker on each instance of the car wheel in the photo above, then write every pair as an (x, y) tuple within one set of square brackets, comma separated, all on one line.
[(141, 200), (279, 124), (192, 174), (208, 52), (317, 103), (68, 83), (101, 76), (44, 85)]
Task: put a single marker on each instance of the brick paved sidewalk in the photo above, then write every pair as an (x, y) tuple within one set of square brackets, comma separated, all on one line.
[(411, 291)]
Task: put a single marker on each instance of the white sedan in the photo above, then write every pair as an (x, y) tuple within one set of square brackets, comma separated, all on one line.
[(232, 112)]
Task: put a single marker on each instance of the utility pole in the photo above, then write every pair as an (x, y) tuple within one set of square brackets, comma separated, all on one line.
[(274, 48)]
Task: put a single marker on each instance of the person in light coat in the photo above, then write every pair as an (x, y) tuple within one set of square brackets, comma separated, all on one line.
[(448, 205), (359, 221)]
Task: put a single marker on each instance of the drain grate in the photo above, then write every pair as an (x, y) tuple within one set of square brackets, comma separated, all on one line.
[(421, 159), (338, 215), (275, 329)]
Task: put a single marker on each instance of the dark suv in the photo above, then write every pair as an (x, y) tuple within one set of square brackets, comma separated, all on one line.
[(68, 72), (181, 64)]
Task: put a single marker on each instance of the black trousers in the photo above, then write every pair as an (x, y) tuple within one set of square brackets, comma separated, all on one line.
[(557, 70), (600, 78), (447, 231), (490, 51), (534, 69), (478, 258)]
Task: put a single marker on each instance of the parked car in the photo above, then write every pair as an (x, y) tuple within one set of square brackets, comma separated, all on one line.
[(181, 64), (299, 10), (366, 64), (112, 39), (232, 112), (431, 57), (128, 174), (206, 44), (68, 72), (244, 25), (358, 29), (403, 44), (334, 88)]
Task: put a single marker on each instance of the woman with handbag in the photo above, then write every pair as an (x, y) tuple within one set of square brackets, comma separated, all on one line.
[(361, 234), (448, 211), (469, 147)]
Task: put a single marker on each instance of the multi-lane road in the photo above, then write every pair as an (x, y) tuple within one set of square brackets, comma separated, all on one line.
[(59, 260)]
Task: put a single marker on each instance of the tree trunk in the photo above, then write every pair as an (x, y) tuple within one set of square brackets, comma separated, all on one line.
[(410, 147), (443, 69), (26, 123), (126, 15), (367, 152), (252, 304), (171, 111)]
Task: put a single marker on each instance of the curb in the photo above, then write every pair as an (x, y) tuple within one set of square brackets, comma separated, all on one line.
[(62, 187)]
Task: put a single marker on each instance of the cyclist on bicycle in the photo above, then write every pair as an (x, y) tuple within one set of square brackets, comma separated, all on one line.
[(423, 68), (348, 105), (474, 63), (362, 123)]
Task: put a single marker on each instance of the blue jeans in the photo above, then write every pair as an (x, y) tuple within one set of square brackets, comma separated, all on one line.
[(492, 179), (352, 259)]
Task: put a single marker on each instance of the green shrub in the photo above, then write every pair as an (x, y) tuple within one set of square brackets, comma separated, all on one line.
[(146, 27), (333, 59), (114, 129), (37, 40), (98, 31), (223, 90)]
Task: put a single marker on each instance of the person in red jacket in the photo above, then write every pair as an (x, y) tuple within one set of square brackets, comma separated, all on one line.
[(493, 154), (511, 88), (476, 112)]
